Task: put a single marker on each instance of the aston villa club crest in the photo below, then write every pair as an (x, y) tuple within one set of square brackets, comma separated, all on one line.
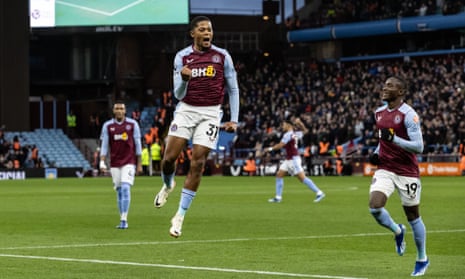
[(397, 119), (174, 127), (216, 59)]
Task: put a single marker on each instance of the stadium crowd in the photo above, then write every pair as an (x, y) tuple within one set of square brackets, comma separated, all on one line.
[(346, 11), (13, 155), (337, 101)]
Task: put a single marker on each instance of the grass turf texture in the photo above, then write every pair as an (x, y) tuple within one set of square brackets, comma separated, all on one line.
[(65, 228)]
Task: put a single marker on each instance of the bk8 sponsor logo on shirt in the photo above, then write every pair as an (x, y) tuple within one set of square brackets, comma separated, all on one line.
[(123, 136), (208, 71)]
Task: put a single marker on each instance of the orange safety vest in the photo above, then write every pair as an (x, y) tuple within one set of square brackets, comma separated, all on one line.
[(339, 166), (148, 139), (324, 147), (154, 132), (339, 149), (250, 165), (307, 152)]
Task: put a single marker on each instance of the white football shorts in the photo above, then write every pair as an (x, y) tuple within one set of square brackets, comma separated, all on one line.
[(124, 174), (409, 188), (201, 124), (292, 166)]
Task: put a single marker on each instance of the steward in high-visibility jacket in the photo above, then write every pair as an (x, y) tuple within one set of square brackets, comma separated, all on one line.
[(145, 160)]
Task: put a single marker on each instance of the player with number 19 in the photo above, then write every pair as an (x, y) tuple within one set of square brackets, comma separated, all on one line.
[(400, 139)]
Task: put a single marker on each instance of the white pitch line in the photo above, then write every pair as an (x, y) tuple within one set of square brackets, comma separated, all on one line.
[(99, 11), (353, 188), (228, 270), (182, 242)]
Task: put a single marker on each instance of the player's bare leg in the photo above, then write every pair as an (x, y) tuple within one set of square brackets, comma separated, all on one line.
[(174, 146), (191, 184)]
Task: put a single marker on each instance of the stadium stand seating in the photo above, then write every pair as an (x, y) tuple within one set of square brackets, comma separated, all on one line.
[(55, 148)]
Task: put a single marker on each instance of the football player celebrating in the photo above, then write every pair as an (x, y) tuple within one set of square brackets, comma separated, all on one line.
[(202, 72), (400, 138), (293, 162)]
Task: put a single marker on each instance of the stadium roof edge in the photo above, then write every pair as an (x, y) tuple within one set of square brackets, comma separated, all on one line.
[(376, 28)]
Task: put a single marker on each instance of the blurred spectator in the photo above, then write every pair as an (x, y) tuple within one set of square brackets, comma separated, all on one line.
[(145, 160), (96, 161), (328, 168), (136, 115), (250, 166), (339, 165), (422, 10), (3, 143), (71, 121), (35, 155), (2, 161), (16, 143), (156, 152), (324, 146), (94, 125)]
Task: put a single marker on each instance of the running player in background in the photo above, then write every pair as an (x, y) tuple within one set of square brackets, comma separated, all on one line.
[(122, 139), (400, 139), (293, 162), (202, 72)]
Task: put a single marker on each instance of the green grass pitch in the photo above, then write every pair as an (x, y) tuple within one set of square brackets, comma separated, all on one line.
[(65, 228)]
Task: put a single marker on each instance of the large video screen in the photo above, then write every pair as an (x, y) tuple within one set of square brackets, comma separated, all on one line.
[(75, 13)]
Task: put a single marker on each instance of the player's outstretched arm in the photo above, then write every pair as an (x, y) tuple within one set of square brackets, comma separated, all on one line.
[(300, 125)]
